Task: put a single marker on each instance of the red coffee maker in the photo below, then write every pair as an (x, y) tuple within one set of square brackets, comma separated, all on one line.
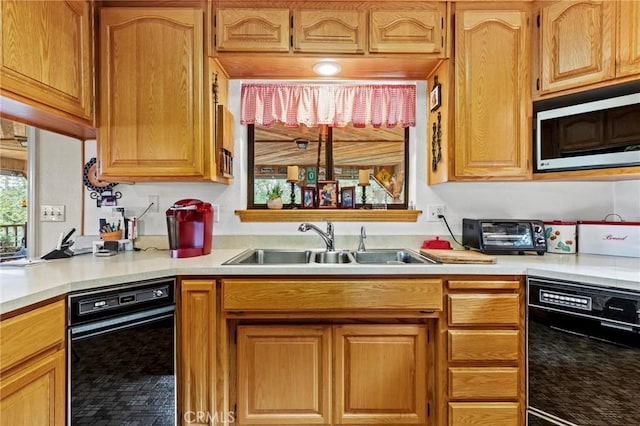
[(190, 228)]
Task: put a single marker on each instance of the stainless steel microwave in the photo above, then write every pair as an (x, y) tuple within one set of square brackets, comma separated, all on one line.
[(589, 130)]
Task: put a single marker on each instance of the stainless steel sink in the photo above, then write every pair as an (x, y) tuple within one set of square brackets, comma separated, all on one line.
[(271, 257), (294, 257), (389, 257), (333, 257)]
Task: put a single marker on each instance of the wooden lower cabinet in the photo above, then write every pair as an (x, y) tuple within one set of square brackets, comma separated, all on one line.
[(332, 374), (33, 367), (485, 352), (284, 374), (196, 360), (35, 394)]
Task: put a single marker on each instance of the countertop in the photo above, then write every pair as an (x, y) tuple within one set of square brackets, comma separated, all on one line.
[(22, 286)]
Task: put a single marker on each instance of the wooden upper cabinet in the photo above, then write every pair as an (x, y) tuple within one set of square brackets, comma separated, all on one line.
[(252, 30), (576, 41), (337, 31), (628, 52), (45, 58), (151, 94), (493, 98), (408, 31)]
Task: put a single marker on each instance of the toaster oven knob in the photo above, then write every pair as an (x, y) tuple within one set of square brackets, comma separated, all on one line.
[(537, 229)]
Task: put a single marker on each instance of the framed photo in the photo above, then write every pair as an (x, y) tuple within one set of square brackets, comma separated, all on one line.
[(327, 194), (308, 197), (435, 96), (348, 197)]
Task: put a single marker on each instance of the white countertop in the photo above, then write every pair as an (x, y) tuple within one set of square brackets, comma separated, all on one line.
[(22, 286)]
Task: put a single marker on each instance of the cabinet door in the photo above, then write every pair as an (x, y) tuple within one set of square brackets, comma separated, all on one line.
[(628, 59), (46, 54), (197, 349), (252, 30), (492, 136), (335, 31), (407, 31), (284, 374), (151, 94), (380, 374), (35, 393), (576, 44)]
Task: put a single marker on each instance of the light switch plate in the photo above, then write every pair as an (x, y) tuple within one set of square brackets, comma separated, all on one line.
[(52, 213)]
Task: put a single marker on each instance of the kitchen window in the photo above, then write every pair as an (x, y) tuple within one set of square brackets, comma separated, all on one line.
[(300, 134), (333, 154)]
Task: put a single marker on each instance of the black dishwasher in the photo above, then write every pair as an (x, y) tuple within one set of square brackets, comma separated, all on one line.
[(583, 354), (121, 357)]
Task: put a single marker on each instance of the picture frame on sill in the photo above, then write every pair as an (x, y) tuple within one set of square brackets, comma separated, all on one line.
[(308, 197), (435, 96), (327, 194), (348, 197)]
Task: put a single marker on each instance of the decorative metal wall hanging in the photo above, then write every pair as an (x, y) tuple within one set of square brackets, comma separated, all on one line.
[(436, 144), (101, 191)]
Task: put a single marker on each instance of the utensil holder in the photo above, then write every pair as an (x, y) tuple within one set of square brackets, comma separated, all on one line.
[(111, 236)]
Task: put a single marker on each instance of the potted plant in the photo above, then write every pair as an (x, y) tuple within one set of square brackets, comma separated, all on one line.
[(274, 197)]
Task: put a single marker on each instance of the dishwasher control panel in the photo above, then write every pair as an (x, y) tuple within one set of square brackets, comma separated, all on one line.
[(109, 301)]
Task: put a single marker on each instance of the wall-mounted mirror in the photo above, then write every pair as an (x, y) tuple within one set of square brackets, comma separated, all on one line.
[(326, 153)]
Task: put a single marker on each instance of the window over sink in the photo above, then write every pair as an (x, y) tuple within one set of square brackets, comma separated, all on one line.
[(327, 153)]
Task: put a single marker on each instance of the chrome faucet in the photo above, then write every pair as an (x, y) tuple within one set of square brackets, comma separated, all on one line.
[(363, 236), (328, 237)]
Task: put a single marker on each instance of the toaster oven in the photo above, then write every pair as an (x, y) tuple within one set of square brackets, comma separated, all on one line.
[(504, 236)]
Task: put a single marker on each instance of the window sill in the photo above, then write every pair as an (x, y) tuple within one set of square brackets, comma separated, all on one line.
[(337, 215)]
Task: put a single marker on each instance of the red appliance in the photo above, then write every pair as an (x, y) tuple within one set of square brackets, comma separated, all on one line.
[(190, 228)]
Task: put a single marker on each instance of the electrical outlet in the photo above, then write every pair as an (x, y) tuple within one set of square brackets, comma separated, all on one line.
[(155, 208), (52, 213), (216, 213), (433, 211)]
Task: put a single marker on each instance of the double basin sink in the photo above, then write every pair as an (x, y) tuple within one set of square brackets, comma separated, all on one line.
[(296, 257)]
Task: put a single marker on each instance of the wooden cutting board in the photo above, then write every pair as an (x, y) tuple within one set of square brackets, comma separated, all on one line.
[(457, 256)]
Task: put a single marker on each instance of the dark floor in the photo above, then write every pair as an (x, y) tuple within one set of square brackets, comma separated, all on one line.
[(124, 378), (583, 380)]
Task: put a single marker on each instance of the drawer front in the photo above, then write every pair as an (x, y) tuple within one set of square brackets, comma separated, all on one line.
[(488, 309), (490, 383), (483, 414), (483, 345), (28, 334), (330, 295), (484, 285)]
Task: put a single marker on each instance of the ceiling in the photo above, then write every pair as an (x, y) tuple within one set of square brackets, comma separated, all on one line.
[(364, 146)]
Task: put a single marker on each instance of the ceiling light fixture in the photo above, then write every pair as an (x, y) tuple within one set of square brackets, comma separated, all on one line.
[(327, 68)]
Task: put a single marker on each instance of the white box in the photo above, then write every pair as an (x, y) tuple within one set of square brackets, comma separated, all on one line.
[(609, 238)]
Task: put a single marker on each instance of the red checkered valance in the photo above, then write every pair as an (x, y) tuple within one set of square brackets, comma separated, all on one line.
[(337, 105)]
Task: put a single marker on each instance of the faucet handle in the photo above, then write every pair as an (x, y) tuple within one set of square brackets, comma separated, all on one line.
[(329, 226)]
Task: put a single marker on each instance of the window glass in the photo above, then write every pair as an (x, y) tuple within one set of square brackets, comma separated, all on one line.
[(329, 154)]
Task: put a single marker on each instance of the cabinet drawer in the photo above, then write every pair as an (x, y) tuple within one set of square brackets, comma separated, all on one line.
[(313, 295), (483, 383), (483, 345), (496, 309), (483, 414), (28, 334)]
